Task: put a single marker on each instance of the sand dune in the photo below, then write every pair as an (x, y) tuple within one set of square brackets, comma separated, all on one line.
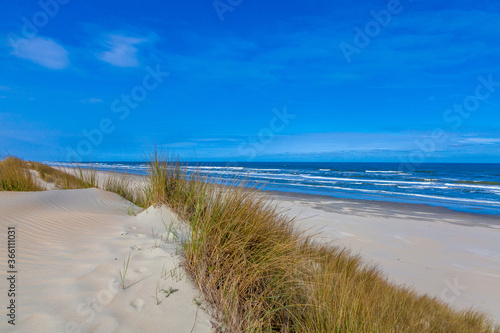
[(70, 246)]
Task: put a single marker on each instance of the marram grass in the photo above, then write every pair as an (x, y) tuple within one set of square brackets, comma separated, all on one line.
[(258, 273), (14, 176), (77, 179), (261, 275)]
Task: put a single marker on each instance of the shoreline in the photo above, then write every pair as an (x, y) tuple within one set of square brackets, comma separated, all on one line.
[(459, 208), (485, 218), (455, 189)]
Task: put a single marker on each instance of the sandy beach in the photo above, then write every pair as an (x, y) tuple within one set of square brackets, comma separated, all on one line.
[(71, 246), (449, 255)]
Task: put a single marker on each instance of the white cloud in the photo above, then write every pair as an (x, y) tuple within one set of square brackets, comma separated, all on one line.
[(180, 145), (487, 141), (121, 51), (43, 51), (91, 100)]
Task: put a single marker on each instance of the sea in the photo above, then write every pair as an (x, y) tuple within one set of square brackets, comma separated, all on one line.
[(465, 187)]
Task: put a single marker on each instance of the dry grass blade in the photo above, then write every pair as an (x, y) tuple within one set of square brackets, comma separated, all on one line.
[(15, 176)]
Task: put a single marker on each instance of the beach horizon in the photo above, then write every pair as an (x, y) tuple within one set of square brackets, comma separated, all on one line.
[(462, 187)]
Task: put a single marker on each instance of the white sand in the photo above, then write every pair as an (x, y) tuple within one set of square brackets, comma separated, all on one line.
[(452, 256), (70, 246)]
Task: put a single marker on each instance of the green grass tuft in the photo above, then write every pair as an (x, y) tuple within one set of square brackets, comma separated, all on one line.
[(123, 272)]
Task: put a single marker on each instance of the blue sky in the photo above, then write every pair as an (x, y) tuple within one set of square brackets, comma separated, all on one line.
[(393, 81)]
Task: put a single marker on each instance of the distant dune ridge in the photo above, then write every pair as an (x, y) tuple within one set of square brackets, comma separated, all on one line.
[(211, 258)]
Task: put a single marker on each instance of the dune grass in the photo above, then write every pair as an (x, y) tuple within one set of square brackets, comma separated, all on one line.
[(261, 275), (14, 176), (121, 184), (123, 273), (78, 179), (258, 273)]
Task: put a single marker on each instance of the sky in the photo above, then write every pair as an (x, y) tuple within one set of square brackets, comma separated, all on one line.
[(238, 80)]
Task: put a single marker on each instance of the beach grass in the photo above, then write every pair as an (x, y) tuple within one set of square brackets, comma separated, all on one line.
[(14, 176), (261, 275), (123, 273), (121, 184), (75, 179), (79, 177)]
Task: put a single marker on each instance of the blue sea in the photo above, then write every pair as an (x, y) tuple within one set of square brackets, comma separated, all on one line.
[(461, 187)]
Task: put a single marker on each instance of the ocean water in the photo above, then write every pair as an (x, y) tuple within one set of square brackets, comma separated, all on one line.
[(462, 187)]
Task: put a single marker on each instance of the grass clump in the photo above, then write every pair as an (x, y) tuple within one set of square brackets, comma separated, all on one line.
[(166, 292), (15, 176), (62, 179), (121, 184), (123, 272), (260, 274)]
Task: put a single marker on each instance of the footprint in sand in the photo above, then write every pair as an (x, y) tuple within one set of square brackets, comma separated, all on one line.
[(133, 228), (141, 269), (140, 235), (137, 304)]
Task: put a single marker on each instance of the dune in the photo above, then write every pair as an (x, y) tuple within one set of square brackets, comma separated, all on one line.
[(70, 247), (72, 244)]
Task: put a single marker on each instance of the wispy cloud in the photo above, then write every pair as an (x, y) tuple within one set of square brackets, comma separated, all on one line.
[(484, 141), (357, 146), (179, 145), (43, 51), (91, 100), (217, 140), (121, 51)]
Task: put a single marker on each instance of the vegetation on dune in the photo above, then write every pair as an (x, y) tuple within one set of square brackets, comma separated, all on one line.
[(14, 176), (122, 185), (63, 180), (258, 273)]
